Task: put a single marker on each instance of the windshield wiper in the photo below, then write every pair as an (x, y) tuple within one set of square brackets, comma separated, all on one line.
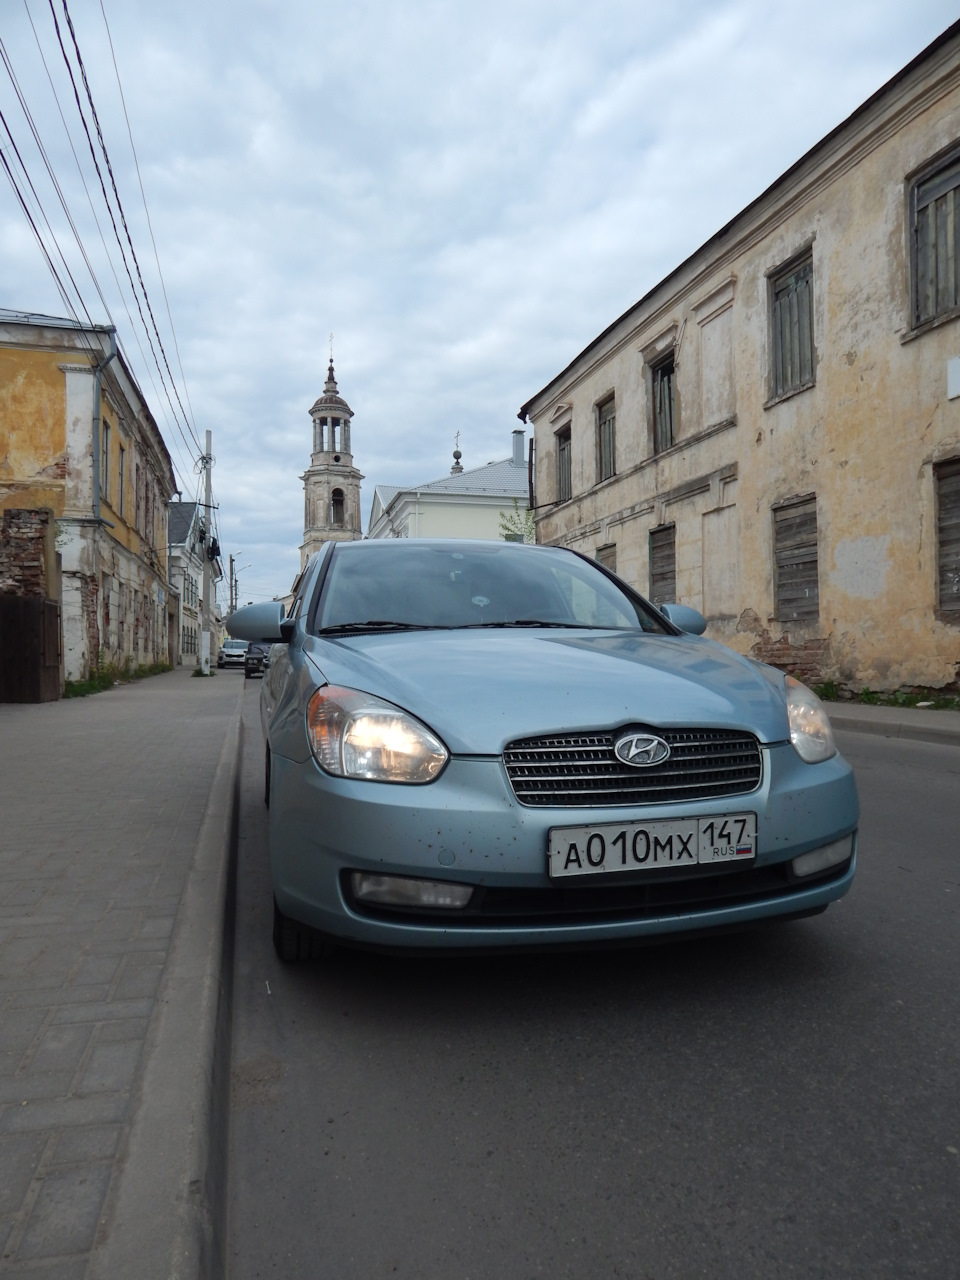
[(525, 622), (376, 624)]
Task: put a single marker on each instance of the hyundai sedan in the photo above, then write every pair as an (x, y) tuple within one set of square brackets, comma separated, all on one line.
[(481, 745)]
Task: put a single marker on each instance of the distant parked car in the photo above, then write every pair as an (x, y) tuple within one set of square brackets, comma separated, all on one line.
[(232, 653), (480, 745), (255, 660)]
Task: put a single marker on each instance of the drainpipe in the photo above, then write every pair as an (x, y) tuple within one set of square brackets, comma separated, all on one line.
[(98, 369)]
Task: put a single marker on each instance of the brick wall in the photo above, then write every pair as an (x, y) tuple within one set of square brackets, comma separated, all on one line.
[(23, 565)]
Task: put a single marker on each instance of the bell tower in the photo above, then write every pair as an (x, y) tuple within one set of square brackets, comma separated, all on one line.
[(331, 484)]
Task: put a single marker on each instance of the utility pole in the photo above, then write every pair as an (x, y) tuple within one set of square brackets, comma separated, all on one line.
[(207, 526), (233, 602)]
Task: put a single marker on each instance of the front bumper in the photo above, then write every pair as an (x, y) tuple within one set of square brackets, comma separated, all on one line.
[(467, 827)]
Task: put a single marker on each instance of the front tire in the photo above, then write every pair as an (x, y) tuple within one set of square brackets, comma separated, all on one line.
[(293, 941)]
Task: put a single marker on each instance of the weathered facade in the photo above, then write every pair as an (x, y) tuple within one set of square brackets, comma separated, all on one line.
[(78, 443), (475, 503), (772, 434), (331, 484)]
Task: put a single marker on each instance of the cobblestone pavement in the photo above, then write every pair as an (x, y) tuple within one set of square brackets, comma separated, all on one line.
[(101, 802)]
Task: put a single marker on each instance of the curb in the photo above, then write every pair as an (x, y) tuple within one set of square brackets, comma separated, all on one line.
[(941, 727), (165, 1210)]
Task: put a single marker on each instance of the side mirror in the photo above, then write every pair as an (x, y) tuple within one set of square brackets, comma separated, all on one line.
[(685, 618), (258, 622)]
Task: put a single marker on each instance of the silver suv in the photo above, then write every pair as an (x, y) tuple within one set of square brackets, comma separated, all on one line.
[(232, 653)]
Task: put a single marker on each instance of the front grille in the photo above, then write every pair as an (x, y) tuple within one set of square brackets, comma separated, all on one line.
[(580, 770)]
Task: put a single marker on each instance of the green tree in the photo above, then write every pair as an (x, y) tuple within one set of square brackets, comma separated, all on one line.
[(517, 525)]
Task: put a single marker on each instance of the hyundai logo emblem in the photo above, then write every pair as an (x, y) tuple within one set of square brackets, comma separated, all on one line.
[(641, 749)]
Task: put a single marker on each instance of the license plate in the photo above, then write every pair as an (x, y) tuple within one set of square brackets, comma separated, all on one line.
[(651, 846)]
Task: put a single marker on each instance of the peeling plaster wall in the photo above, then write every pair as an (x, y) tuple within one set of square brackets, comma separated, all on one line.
[(863, 439), (112, 586)]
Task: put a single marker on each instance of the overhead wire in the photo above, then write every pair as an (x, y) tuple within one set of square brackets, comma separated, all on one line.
[(146, 210), (113, 222), (123, 218), (181, 467)]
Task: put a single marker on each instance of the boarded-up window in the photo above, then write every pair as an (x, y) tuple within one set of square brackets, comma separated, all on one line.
[(607, 439), (795, 551), (793, 349), (935, 251), (947, 476), (663, 565), (663, 404), (607, 556), (564, 467)]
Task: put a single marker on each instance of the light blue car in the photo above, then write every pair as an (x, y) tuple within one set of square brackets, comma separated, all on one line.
[(486, 744)]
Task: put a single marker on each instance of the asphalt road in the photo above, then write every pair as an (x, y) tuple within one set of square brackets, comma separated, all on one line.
[(783, 1103)]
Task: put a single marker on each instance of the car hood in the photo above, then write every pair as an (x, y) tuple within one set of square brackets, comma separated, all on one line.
[(481, 689)]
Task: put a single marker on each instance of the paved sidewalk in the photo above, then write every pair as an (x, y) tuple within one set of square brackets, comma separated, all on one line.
[(102, 808), (918, 723)]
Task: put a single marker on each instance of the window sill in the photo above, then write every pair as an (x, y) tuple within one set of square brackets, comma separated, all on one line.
[(788, 395), (936, 323)]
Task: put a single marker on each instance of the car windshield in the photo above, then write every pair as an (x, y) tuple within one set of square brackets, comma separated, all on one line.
[(235, 644), (405, 584)]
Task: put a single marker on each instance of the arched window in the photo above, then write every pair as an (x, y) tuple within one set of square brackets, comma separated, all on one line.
[(337, 507)]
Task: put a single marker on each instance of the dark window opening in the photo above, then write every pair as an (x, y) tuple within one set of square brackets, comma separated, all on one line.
[(564, 466), (947, 480), (607, 439), (664, 406)]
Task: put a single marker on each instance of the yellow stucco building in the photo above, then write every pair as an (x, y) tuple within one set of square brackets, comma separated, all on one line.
[(85, 479), (772, 434)]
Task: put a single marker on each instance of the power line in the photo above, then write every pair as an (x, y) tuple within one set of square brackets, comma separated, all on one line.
[(123, 218), (113, 222), (180, 466), (143, 194)]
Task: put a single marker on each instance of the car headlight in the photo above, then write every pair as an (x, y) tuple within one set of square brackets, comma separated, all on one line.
[(810, 730), (355, 735)]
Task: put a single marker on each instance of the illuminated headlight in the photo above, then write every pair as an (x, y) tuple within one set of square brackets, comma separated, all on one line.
[(810, 730), (355, 735), (401, 891), (828, 855)]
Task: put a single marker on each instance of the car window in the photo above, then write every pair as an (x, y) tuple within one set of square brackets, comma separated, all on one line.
[(461, 584)]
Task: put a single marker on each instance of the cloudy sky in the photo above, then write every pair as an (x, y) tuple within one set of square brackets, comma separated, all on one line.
[(464, 195)]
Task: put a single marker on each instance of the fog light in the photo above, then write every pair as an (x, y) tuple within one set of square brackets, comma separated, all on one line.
[(398, 891), (829, 855)]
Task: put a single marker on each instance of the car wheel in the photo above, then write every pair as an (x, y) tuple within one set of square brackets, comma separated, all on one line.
[(293, 941), (246, 674)]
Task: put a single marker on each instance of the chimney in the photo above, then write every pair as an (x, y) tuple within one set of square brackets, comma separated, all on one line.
[(518, 459)]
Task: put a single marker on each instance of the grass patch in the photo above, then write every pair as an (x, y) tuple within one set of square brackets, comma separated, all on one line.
[(107, 674), (927, 699)]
